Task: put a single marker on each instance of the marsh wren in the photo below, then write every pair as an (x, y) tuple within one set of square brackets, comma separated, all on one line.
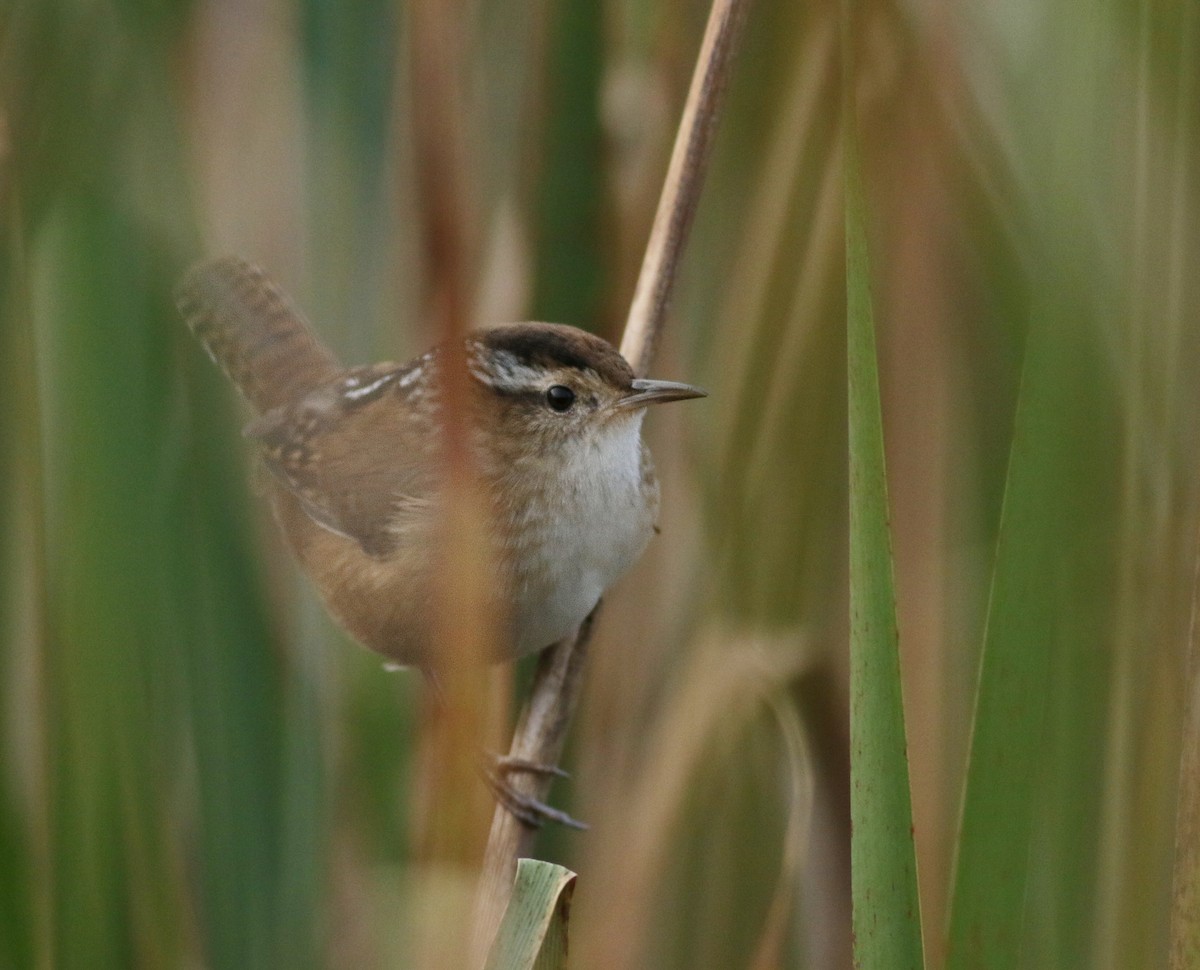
[(554, 417)]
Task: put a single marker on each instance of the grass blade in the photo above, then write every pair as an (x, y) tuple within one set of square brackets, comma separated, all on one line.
[(1185, 903), (1185, 895), (533, 933), (1046, 551), (887, 920)]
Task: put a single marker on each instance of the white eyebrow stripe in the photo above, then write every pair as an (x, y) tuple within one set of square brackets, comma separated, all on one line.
[(503, 371)]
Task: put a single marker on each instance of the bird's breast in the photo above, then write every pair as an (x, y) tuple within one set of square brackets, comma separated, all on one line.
[(584, 521)]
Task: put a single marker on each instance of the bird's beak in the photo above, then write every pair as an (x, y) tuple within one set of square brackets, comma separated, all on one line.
[(643, 392)]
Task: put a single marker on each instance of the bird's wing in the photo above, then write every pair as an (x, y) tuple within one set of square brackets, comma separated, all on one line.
[(357, 454)]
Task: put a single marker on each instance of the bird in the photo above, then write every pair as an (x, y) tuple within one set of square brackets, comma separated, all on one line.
[(357, 479)]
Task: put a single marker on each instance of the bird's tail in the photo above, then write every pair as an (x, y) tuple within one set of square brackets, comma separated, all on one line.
[(252, 330)]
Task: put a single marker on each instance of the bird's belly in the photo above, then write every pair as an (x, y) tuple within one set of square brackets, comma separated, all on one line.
[(573, 557), (557, 550)]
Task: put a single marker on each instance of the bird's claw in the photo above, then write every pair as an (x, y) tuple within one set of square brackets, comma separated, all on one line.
[(528, 810), (504, 764)]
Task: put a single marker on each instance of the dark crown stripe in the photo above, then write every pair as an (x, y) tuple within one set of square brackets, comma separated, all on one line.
[(548, 344)]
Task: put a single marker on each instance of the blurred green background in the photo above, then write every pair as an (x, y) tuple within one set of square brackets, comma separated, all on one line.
[(197, 769)]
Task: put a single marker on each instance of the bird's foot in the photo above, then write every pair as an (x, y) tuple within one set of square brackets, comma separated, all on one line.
[(506, 764), (528, 810)]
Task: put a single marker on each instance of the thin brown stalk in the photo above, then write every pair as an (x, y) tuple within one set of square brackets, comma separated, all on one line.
[(539, 738), (542, 728), (450, 829), (681, 190)]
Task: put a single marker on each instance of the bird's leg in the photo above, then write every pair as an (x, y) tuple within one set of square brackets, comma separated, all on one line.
[(496, 768)]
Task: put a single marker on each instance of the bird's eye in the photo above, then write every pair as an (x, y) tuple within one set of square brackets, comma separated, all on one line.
[(560, 398)]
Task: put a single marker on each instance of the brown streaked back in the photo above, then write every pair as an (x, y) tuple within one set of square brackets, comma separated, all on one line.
[(253, 331)]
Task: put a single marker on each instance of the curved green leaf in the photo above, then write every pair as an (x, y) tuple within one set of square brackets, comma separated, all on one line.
[(533, 933)]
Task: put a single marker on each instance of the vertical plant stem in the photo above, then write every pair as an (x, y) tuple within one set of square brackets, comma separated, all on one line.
[(453, 827), (883, 864), (1185, 889), (542, 728), (539, 738), (681, 190), (30, 856)]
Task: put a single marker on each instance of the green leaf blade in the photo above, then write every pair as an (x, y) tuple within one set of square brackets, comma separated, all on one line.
[(1046, 550), (533, 933), (886, 917)]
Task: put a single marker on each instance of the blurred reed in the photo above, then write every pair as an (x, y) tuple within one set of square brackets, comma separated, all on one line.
[(197, 769)]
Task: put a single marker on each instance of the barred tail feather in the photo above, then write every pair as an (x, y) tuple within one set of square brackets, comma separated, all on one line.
[(252, 330)]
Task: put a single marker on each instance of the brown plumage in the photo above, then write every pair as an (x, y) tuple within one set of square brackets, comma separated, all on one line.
[(252, 330), (555, 417)]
